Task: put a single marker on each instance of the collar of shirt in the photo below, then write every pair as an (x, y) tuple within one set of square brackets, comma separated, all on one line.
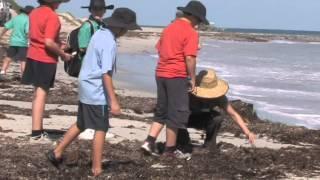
[(98, 21), (109, 31)]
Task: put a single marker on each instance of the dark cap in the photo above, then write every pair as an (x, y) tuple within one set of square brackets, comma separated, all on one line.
[(27, 9), (55, 1), (197, 9), (98, 4), (123, 18)]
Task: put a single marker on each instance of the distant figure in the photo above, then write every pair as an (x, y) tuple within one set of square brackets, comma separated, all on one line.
[(210, 94), (175, 77), (42, 59), (18, 40), (96, 91), (97, 9)]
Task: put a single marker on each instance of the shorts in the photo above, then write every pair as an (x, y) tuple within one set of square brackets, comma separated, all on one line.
[(39, 74), (93, 117), (172, 102), (17, 53)]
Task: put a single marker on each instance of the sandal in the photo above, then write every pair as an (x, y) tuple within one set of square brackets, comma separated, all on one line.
[(52, 158)]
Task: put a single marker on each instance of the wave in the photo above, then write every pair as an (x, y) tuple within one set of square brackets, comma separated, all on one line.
[(156, 56), (308, 120), (283, 42), (282, 113), (253, 89), (314, 43)]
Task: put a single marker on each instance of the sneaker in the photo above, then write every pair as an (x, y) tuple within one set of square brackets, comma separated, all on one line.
[(42, 138), (52, 158), (2, 77), (149, 149), (178, 155)]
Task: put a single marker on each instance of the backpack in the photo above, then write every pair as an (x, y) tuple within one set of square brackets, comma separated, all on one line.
[(72, 67)]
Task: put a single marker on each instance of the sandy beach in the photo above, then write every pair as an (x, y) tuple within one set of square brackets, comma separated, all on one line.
[(280, 152)]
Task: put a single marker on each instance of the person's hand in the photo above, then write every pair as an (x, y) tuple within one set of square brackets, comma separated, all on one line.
[(66, 57), (192, 86), (63, 45), (115, 108), (251, 137)]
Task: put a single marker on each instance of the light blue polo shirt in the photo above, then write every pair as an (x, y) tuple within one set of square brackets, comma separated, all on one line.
[(100, 59)]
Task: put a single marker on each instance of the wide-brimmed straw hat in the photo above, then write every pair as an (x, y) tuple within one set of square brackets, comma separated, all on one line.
[(197, 9), (123, 18), (98, 4), (209, 86), (27, 9), (54, 1)]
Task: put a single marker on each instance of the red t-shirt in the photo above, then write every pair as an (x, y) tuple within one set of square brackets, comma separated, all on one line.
[(44, 24), (177, 41)]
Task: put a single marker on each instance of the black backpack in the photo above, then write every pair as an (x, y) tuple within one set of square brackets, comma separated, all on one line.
[(72, 67)]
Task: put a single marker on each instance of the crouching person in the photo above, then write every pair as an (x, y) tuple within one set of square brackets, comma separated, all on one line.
[(96, 91), (209, 95)]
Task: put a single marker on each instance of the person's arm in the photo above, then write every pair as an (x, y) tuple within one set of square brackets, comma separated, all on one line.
[(3, 31), (114, 104), (238, 119), (51, 33), (190, 52), (7, 26), (55, 48), (191, 68), (107, 56)]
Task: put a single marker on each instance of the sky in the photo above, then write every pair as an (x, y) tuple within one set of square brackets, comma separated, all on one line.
[(256, 14)]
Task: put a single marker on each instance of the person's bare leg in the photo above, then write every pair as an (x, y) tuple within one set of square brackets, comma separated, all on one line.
[(97, 151), (38, 105), (5, 64), (22, 67), (70, 135), (171, 138), (155, 129)]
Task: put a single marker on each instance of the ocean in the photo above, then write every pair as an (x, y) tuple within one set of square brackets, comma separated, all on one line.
[(272, 31), (281, 78)]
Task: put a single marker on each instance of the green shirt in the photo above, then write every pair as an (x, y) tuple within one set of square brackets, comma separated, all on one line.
[(20, 29), (85, 33)]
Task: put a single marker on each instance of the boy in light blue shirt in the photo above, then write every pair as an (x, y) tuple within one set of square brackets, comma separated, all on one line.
[(96, 92)]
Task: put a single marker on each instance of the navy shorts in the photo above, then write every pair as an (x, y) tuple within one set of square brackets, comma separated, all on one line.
[(17, 53), (39, 74), (172, 102), (93, 117)]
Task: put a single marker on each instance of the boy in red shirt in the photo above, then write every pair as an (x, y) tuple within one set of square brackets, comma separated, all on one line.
[(175, 77), (42, 58)]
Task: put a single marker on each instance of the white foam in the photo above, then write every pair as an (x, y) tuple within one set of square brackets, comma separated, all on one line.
[(314, 43), (156, 56), (307, 120), (210, 45), (246, 94), (283, 42), (264, 90)]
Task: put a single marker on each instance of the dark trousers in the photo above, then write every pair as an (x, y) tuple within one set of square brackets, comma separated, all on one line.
[(172, 102), (208, 121)]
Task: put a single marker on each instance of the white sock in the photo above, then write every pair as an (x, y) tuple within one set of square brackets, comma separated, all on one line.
[(2, 72)]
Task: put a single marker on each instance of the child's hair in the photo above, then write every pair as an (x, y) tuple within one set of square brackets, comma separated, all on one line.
[(43, 2)]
